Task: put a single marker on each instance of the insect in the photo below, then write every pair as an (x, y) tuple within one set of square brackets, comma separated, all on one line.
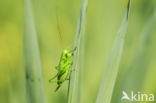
[(63, 68)]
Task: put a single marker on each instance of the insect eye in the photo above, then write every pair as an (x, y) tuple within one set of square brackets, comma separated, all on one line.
[(65, 51)]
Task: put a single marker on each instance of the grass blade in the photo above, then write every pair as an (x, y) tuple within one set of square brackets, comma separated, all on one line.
[(111, 71), (74, 82), (133, 79), (141, 61), (34, 78), (140, 66)]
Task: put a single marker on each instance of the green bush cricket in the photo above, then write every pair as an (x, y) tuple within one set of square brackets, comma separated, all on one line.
[(63, 68), (65, 63)]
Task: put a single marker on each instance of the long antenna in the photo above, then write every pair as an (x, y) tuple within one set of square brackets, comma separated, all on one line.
[(58, 26)]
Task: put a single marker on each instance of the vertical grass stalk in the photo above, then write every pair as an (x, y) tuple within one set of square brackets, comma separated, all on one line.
[(33, 69), (74, 82), (141, 61), (112, 68)]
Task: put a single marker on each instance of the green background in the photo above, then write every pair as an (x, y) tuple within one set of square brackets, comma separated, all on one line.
[(137, 70)]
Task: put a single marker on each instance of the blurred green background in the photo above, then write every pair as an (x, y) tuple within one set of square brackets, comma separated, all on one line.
[(103, 20)]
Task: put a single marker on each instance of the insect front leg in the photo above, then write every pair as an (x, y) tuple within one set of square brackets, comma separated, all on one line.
[(72, 51)]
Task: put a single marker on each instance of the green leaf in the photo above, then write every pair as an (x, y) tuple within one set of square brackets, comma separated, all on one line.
[(112, 68), (74, 82), (137, 72), (33, 69)]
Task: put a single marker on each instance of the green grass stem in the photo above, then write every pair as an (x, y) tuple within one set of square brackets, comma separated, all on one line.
[(33, 70), (112, 68), (74, 82)]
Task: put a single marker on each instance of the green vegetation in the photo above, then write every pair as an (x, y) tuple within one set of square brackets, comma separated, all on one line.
[(33, 34), (33, 73), (74, 81), (110, 74)]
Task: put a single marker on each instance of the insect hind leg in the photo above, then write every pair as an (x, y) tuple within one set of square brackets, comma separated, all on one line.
[(57, 88)]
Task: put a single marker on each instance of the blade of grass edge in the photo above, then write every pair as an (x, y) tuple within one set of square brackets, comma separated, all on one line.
[(33, 70), (141, 59), (111, 71), (73, 94)]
